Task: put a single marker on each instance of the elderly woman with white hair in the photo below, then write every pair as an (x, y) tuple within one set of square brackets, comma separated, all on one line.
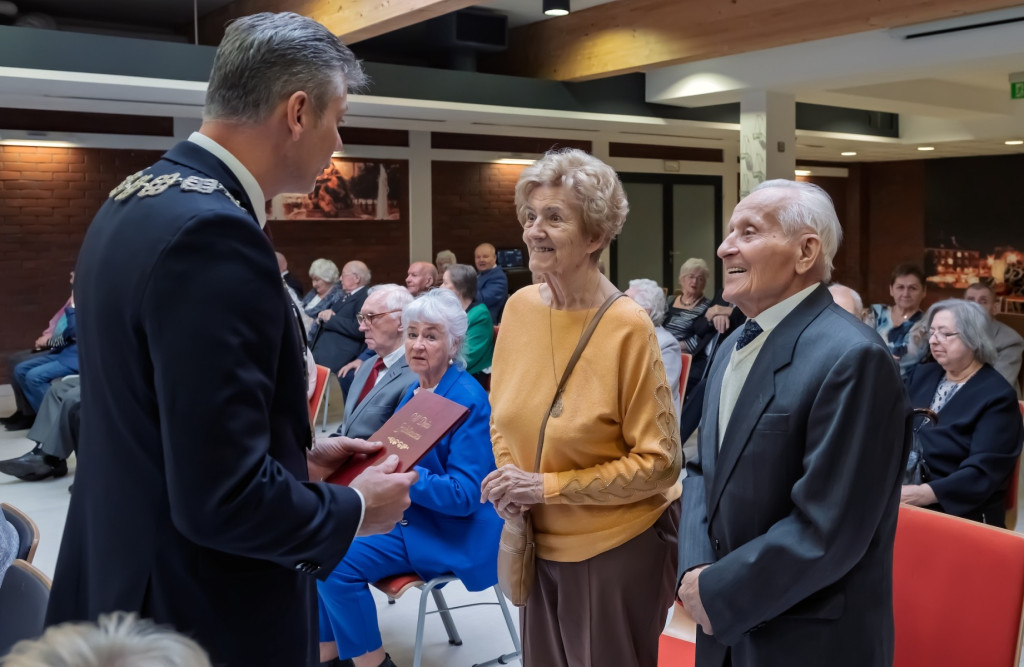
[(446, 529), (651, 298), (602, 501), (326, 292), (970, 451), (689, 306)]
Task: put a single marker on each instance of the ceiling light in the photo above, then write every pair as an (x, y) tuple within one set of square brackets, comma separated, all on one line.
[(802, 172), (39, 143), (1014, 142), (513, 160), (556, 7), (848, 153), (926, 148)]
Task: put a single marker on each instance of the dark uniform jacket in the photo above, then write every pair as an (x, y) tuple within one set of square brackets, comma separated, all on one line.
[(191, 504)]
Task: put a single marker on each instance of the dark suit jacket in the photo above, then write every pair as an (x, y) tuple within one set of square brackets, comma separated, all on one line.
[(492, 291), (293, 283), (973, 448), (361, 421), (191, 504), (797, 513), (339, 340)]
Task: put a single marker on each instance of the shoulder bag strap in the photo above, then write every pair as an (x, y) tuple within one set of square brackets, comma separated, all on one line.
[(584, 339)]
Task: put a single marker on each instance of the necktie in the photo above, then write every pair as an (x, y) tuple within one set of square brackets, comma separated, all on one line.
[(371, 379), (751, 330)]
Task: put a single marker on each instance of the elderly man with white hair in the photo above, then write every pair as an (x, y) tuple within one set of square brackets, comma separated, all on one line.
[(789, 510), (651, 298)]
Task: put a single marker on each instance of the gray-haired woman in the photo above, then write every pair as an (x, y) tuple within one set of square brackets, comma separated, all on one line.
[(651, 298), (603, 500), (971, 451), (690, 305)]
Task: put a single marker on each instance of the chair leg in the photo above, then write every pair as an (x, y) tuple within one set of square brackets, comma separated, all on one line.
[(420, 621), (446, 617), (327, 403), (508, 621)]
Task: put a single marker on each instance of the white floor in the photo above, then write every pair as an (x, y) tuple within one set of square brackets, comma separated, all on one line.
[(482, 629)]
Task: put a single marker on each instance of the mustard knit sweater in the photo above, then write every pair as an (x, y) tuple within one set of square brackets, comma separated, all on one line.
[(611, 461)]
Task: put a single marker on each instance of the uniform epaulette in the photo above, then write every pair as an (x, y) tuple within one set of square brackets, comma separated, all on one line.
[(146, 185)]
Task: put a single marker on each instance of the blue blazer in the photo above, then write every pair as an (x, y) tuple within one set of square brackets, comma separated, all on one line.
[(447, 528), (973, 448)]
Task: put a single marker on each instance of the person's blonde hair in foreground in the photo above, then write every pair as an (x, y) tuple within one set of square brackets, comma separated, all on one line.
[(119, 639)]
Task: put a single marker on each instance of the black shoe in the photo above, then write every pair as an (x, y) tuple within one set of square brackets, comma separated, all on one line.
[(18, 414), (16, 423), (387, 661), (34, 466)]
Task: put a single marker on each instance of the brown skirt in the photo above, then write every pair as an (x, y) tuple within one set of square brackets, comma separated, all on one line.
[(608, 610)]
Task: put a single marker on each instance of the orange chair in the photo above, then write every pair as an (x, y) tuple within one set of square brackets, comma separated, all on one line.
[(318, 392), (958, 591), (677, 647), (684, 374)]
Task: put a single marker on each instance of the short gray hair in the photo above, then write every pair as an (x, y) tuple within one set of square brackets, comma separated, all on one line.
[(971, 323), (361, 270), (265, 58), (810, 207), (443, 308), (325, 270), (651, 298), (463, 277), (596, 186), (396, 297), (695, 264), (116, 639)]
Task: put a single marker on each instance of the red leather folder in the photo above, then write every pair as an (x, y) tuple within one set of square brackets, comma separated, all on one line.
[(410, 433)]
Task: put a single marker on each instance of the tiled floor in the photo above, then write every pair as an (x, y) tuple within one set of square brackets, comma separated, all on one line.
[(483, 629)]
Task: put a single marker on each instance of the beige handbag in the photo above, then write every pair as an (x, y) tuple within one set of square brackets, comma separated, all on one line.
[(517, 550)]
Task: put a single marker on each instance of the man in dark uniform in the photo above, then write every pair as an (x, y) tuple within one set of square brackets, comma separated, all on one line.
[(191, 503)]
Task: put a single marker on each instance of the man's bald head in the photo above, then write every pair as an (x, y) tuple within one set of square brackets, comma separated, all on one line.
[(485, 257), (421, 277), (847, 299)]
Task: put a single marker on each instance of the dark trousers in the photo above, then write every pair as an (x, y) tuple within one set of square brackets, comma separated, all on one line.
[(19, 395), (607, 611)]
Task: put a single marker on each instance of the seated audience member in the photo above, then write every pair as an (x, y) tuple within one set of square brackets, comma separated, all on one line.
[(55, 433), (9, 543), (970, 452), (326, 292), (847, 299), (338, 339), (689, 306), (461, 279), (24, 413), (380, 383), (896, 323), (1009, 344), (651, 298), (293, 283), (115, 640), (422, 278), (35, 375), (446, 529), (491, 281), (444, 259)]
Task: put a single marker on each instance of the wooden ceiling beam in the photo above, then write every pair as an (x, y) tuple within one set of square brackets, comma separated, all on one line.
[(351, 20), (640, 35)]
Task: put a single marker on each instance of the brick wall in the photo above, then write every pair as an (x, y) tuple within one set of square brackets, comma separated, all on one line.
[(48, 196), (473, 204)]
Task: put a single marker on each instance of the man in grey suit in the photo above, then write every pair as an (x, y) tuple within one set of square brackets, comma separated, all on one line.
[(381, 381), (1009, 344), (789, 510)]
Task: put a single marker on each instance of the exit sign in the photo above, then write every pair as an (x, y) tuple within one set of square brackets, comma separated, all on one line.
[(1017, 90)]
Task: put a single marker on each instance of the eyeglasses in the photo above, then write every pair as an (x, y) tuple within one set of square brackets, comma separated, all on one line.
[(943, 336), (360, 318)]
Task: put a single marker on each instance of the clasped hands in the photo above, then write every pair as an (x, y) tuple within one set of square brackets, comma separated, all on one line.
[(512, 490)]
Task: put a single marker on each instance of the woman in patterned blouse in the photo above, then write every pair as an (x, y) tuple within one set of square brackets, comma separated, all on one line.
[(896, 323), (691, 304)]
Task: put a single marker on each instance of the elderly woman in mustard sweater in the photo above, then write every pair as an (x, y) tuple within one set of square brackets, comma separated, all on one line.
[(603, 501)]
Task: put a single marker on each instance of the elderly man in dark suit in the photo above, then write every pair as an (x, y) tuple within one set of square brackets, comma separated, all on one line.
[(381, 381), (339, 339), (789, 511), (192, 503)]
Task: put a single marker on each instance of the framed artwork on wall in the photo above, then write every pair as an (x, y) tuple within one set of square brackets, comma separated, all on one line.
[(348, 189)]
